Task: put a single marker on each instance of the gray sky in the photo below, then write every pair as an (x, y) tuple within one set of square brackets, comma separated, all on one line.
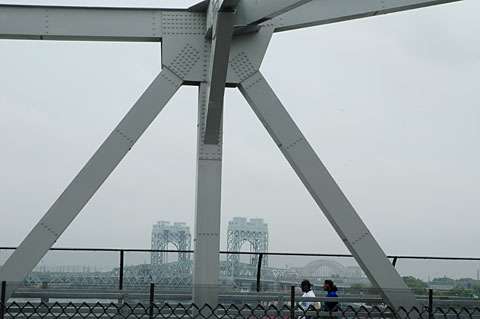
[(389, 103)]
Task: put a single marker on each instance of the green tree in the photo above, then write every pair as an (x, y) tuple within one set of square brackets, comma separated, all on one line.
[(418, 287), (461, 291)]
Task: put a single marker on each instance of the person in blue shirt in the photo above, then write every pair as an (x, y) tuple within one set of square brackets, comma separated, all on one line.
[(331, 290)]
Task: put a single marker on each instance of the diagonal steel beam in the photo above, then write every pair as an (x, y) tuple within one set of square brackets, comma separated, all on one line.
[(326, 193), (245, 13), (81, 23), (66, 208), (254, 11), (217, 75), (320, 12)]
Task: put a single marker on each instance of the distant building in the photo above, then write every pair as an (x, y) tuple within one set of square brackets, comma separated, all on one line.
[(441, 287), (163, 233)]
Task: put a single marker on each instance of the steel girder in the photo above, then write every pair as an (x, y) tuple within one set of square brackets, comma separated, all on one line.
[(90, 178), (206, 266), (80, 23), (320, 12), (145, 24), (326, 193), (217, 76)]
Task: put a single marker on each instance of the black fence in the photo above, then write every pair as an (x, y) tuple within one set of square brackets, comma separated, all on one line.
[(95, 304), (166, 311)]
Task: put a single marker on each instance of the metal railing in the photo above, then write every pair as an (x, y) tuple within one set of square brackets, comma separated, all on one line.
[(92, 296), (121, 252)]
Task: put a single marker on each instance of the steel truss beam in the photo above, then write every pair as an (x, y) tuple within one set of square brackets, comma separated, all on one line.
[(90, 178), (326, 193), (221, 43), (144, 25), (81, 23), (320, 12), (254, 11)]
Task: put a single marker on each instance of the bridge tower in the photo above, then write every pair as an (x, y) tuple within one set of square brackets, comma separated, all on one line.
[(163, 233), (240, 231)]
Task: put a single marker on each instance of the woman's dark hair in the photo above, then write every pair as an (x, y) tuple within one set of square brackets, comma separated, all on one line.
[(306, 283), (331, 287)]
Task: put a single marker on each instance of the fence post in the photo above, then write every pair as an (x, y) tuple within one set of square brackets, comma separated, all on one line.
[(292, 302), (120, 281), (152, 292), (394, 263), (430, 303), (259, 270), (2, 300)]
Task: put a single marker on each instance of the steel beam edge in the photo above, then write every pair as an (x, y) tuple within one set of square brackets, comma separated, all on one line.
[(82, 188), (321, 12), (326, 193), (81, 23)]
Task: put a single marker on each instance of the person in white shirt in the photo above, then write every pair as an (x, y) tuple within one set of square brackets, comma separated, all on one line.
[(307, 292)]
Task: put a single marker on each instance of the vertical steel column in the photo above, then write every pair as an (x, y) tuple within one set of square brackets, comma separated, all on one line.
[(206, 264)]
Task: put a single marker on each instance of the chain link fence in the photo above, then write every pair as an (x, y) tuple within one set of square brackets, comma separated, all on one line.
[(98, 310)]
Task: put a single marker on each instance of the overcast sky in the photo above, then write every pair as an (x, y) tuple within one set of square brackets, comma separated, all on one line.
[(390, 104)]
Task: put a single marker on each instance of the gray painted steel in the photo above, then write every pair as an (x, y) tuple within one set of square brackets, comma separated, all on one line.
[(80, 23), (190, 55), (254, 11), (90, 178), (217, 75), (144, 25), (330, 11), (206, 264), (325, 191)]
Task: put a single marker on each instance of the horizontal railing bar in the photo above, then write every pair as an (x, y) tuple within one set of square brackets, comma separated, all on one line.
[(136, 295), (252, 253), (230, 297)]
